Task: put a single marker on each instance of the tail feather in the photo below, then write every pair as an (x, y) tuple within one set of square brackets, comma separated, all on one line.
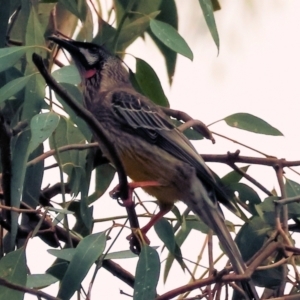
[(213, 217)]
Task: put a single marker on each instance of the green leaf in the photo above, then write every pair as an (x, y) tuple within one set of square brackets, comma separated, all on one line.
[(9, 56), (13, 87), (176, 213), (254, 233), (190, 133), (77, 95), (33, 181), (146, 274), (19, 160), (208, 12), (120, 255), (181, 236), (149, 83), (84, 217), (247, 195), (87, 29), (4, 23), (168, 14), (133, 30), (266, 210), (73, 162), (234, 176), (104, 175), (42, 126), (13, 269), (18, 30), (76, 7), (87, 252), (104, 35), (58, 269), (195, 223), (271, 278), (251, 123), (67, 74), (292, 188), (85, 211), (171, 38), (34, 96), (65, 254), (145, 7), (39, 281), (34, 36), (165, 232)]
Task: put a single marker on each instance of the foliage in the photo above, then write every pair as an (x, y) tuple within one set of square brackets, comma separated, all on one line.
[(29, 116)]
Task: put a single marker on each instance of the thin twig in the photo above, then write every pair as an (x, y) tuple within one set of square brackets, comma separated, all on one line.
[(49, 153), (282, 225), (26, 290)]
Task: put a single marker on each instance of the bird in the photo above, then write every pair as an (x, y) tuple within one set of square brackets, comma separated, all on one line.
[(150, 146)]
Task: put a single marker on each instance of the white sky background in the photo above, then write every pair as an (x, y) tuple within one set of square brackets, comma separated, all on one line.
[(256, 71)]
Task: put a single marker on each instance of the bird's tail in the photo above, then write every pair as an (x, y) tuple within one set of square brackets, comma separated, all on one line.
[(213, 217)]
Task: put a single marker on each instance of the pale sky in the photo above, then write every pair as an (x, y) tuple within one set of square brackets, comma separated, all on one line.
[(256, 71)]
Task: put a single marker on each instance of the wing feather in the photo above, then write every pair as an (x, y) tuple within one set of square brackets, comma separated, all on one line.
[(142, 117)]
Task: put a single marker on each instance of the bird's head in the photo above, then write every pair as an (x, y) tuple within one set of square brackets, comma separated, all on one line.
[(95, 63)]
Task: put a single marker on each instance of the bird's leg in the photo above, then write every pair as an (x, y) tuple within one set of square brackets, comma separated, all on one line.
[(155, 218), (128, 203)]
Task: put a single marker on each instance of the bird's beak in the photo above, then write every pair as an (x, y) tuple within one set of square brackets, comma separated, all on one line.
[(68, 45), (76, 54)]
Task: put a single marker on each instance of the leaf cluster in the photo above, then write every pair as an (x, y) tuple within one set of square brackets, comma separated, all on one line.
[(32, 117)]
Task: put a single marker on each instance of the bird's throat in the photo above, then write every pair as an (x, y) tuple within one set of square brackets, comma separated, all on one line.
[(89, 73)]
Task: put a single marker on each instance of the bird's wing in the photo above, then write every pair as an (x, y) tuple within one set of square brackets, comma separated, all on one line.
[(141, 117)]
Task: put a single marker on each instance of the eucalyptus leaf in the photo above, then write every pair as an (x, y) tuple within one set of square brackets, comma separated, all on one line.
[(251, 123), (133, 30), (9, 56), (208, 12), (73, 161), (19, 159), (180, 237), (120, 255), (42, 126), (38, 281), (149, 83), (13, 269), (168, 14), (76, 7), (146, 274), (34, 36), (234, 176), (292, 188), (87, 252), (165, 232), (104, 175), (171, 38), (13, 87), (67, 74), (65, 254)]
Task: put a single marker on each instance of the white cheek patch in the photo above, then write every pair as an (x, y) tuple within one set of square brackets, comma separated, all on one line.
[(90, 57)]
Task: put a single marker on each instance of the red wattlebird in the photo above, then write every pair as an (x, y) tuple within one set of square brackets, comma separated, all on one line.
[(149, 145)]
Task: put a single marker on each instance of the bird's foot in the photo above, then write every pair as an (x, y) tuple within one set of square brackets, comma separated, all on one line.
[(115, 193), (138, 236)]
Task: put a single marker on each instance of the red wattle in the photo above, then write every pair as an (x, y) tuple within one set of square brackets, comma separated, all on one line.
[(90, 73)]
